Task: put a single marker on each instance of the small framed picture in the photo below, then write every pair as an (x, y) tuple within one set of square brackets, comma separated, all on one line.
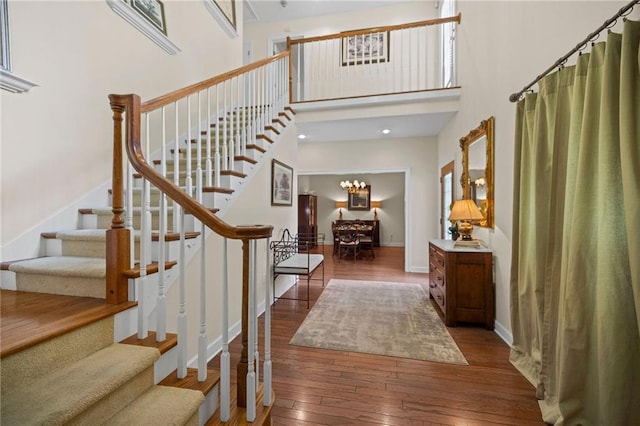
[(369, 48), (281, 184), (360, 199), (153, 11)]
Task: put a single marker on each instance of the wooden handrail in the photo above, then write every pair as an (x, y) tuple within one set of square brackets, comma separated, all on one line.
[(194, 88), (132, 106), (429, 22)]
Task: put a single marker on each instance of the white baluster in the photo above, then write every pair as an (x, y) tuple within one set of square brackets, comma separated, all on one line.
[(208, 165), (254, 313), (199, 152), (161, 312), (202, 338), (229, 117), (176, 168), (251, 375), (225, 372), (267, 329), (182, 311), (188, 178), (225, 148), (217, 165)]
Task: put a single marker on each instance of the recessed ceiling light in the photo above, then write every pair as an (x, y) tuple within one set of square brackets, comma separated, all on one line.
[(302, 136), (386, 131)]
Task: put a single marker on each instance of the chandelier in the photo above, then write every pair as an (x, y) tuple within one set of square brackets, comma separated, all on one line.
[(353, 187)]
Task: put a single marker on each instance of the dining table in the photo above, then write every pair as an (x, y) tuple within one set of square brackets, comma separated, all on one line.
[(353, 237)]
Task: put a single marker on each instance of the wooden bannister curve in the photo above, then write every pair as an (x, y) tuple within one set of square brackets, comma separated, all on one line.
[(131, 105)]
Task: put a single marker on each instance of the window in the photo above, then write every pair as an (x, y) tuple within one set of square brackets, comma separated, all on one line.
[(9, 81), (5, 63), (447, 9)]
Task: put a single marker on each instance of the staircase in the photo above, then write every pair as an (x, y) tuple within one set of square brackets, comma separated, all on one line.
[(83, 377), (101, 365)]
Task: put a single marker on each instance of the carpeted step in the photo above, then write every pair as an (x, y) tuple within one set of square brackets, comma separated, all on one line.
[(89, 391), (161, 405), (101, 218), (92, 243), (136, 194), (68, 275), (30, 364)]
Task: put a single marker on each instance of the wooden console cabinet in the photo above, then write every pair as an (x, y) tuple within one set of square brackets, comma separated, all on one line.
[(461, 283)]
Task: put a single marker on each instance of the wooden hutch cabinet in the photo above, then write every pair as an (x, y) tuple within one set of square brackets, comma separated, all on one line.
[(308, 218), (461, 283)]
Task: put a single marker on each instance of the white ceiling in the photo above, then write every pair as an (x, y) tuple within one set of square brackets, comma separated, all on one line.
[(401, 126), (404, 126), (273, 10)]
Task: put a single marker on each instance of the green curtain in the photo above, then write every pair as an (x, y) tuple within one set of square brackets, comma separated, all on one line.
[(575, 272)]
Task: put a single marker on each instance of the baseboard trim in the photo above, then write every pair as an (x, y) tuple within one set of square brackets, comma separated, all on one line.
[(503, 332)]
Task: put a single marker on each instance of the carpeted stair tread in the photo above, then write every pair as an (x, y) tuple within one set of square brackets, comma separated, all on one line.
[(83, 235), (161, 405), (71, 266), (66, 393), (101, 235)]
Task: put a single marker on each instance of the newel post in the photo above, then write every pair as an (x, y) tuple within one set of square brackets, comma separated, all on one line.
[(118, 247)]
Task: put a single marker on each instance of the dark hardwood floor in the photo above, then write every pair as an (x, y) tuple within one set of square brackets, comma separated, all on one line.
[(325, 387)]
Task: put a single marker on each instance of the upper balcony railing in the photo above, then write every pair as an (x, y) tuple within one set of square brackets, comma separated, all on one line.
[(394, 59)]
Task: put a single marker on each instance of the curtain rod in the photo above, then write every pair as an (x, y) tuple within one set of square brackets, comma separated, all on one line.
[(560, 62)]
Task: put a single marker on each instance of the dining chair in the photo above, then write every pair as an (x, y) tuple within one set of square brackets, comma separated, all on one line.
[(365, 235), (349, 242), (336, 240)]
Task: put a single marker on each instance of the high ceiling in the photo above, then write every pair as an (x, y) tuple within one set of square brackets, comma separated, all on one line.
[(285, 10), (401, 126)]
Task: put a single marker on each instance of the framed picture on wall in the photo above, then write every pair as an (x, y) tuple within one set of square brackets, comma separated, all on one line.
[(369, 48), (224, 11), (281, 184), (152, 11), (360, 199)]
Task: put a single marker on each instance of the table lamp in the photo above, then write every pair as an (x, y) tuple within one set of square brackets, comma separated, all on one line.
[(375, 205), (465, 210), (341, 205)]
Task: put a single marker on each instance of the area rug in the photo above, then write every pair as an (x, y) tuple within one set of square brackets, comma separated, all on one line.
[(376, 317)]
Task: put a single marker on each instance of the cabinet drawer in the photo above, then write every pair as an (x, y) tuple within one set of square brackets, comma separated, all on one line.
[(436, 256), (437, 277), (438, 295)]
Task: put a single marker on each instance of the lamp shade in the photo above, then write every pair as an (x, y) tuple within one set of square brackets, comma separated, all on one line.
[(465, 210), (376, 204), (341, 204)]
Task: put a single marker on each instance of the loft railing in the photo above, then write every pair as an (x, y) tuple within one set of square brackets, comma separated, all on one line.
[(403, 58), (180, 149)]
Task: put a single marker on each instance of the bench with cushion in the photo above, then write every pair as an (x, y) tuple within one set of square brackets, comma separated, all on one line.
[(292, 256)]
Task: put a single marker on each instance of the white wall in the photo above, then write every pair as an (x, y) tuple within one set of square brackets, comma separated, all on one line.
[(502, 46), (56, 140)]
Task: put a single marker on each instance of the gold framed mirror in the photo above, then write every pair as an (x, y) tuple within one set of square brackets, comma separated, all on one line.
[(477, 170)]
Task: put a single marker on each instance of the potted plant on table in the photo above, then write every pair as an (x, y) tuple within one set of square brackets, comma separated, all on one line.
[(453, 230)]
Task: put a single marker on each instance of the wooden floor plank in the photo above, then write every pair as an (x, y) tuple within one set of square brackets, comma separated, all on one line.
[(328, 387)]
